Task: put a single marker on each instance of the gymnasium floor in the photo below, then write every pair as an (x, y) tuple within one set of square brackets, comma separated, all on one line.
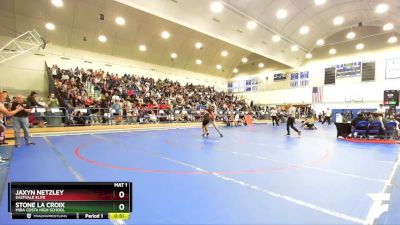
[(253, 175)]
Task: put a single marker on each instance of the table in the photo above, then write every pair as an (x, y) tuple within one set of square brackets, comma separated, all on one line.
[(343, 129)]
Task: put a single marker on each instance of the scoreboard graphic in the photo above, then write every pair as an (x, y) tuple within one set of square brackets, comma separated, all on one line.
[(70, 200), (391, 98)]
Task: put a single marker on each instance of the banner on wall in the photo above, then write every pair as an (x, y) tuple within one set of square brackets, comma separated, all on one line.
[(352, 69), (304, 79), (279, 76), (392, 68), (248, 85), (299, 79), (294, 79)]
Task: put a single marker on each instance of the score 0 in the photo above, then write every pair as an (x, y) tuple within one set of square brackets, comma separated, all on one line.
[(121, 193)]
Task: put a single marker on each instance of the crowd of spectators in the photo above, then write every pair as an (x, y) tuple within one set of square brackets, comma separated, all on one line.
[(131, 96)]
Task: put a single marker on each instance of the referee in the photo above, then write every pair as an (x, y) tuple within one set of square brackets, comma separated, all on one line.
[(291, 119)]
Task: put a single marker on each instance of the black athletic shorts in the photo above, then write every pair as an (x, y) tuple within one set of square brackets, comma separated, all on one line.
[(206, 122)]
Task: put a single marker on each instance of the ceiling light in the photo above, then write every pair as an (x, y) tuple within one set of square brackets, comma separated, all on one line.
[(388, 26), (57, 3), (198, 45), (244, 60), (304, 30), (359, 46), (224, 53), (235, 70), (173, 55), (320, 42), (308, 55), (294, 48), (381, 8), (392, 40), (319, 2), (165, 34), (120, 21), (332, 51), (276, 38), (260, 65), (142, 48), (338, 20), (102, 38), (350, 35), (251, 25), (218, 66), (198, 61), (281, 14), (50, 26), (216, 6)]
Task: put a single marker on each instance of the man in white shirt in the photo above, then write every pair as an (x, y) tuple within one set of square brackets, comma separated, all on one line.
[(115, 98), (54, 70), (290, 123), (274, 117), (65, 77), (381, 110), (327, 117)]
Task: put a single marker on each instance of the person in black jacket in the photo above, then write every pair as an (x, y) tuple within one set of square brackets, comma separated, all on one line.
[(20, 120), (104, 106), (32, 103)]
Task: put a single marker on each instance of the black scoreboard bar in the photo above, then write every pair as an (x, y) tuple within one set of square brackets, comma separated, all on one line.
[(70, 200)]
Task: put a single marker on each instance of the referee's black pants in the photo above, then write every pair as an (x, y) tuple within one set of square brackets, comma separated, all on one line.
[(275, 120), (327, 118), (290, 124)]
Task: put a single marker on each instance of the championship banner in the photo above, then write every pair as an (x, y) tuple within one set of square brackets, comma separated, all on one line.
[(294, 79), (304, 79)]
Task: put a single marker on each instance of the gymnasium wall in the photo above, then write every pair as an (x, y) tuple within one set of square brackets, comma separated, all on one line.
[(338, 95), (26, 72)]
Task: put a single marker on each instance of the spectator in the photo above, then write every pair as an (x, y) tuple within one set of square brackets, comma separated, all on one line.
[(274, 117), (360, 117), (54, 70), (53, 116), (376, 117), (116, 107), (128, 111), (327, 117), (381, 110), (89, 101), (32, 103), (143, 90)]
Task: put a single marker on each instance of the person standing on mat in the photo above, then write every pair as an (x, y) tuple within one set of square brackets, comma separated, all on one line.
[(4, 112), (20, 120), (206, 121), (290, 123), (327, 117), (274, 117)]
